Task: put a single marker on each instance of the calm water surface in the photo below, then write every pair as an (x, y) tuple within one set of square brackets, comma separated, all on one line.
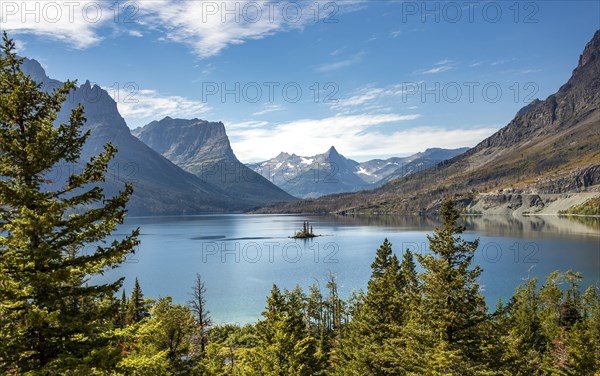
[(240, 256)]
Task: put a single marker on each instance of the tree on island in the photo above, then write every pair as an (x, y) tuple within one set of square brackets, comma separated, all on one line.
[(307, 231), (52, 321)]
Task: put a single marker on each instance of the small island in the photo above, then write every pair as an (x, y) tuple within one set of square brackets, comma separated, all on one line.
[(307, 232)]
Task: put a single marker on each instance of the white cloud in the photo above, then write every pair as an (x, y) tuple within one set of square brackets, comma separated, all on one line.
[(528, 71), (396, 34), (435, 70), (20, 45), (246, 124), (364, 96), (208, 27), (143, 106), (135, 33), (438, 67), (370, 96), (308, 136), (268, 108), (342, 63), (75, 23), (356, 136), (338, 51)]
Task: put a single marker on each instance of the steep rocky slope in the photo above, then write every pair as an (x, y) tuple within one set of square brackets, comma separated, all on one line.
[(203, 149), (160, 187)]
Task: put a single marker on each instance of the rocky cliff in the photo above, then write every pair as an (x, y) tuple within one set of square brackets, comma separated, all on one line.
[(160, 187), (203, 149)]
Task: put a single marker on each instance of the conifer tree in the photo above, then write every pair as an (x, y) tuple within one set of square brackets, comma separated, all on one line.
[(315, 307), (123, 309), (383, 258), (591, 313), (409, 283), (525, 341), (285, 345), (197, 306), (374, 323), (137, 309), (169, 329), (160, 344), (51, 319), (451, 304)]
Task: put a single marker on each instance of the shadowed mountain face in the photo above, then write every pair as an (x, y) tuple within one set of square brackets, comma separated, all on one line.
[(202, 148), (160, 187), (331, 172), (551, 148)]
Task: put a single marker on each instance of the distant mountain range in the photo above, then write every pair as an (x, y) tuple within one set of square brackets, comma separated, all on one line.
[(203, 149), (545, 160), (181, 166), (160, 186), (331, 172), (382, 171)]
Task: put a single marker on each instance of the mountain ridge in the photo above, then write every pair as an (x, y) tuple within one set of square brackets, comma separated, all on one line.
[(160, 187), (203, 149), (548, 153), (331, 172)]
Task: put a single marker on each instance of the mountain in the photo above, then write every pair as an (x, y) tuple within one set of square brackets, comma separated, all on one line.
[(545, 160), (413, 164), (160, 187), (203, 149), (375, 170), (331, 172), (314, 176)]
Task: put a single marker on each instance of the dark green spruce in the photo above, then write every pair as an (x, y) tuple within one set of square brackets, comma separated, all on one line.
[(52, 319)]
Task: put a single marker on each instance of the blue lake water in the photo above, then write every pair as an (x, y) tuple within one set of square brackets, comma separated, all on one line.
[(240, 256)]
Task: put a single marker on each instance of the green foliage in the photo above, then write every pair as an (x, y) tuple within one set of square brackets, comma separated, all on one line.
[(524, 339), (160, 341), (451, 305), (552, 331), (137, 307), (52, 321), (407, 323), (590, 207), (436, 322), (285, 346), (381, 314)]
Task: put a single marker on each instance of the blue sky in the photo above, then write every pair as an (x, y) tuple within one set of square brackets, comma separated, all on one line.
[(373, 78)]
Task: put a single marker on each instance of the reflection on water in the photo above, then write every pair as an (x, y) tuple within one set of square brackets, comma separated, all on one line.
[(240, 256), (492, 225), (593, 222)]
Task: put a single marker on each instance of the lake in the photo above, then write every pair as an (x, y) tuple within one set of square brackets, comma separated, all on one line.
[(240, 256)]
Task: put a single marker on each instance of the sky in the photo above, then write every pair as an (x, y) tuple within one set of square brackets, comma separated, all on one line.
[(375, 79)]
